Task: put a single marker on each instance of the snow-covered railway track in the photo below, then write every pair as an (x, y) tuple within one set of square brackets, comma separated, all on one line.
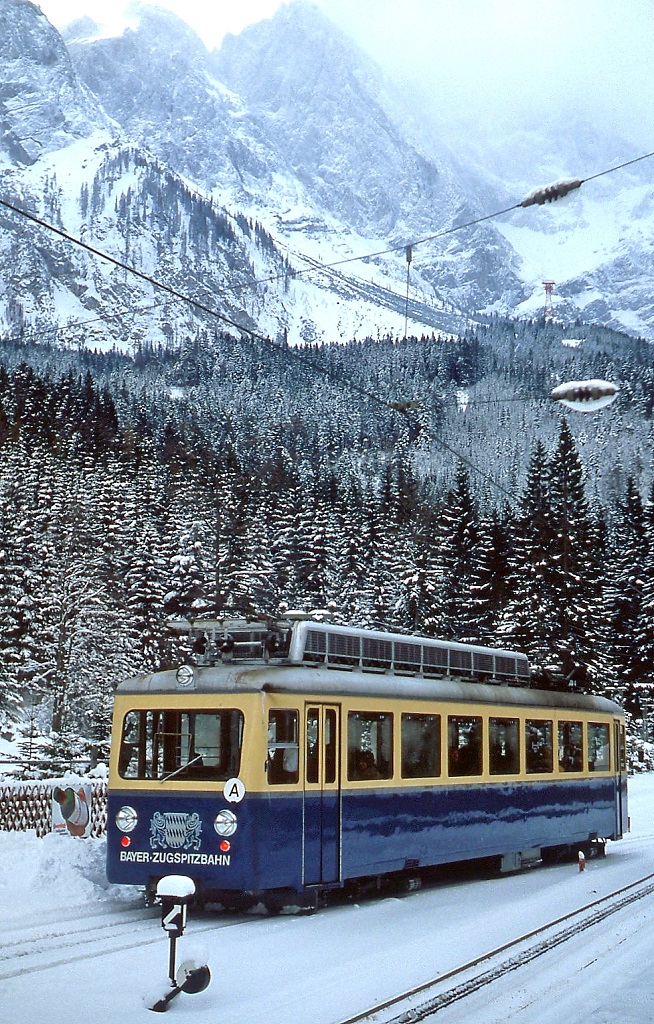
[(424, 1001), (33, 947)]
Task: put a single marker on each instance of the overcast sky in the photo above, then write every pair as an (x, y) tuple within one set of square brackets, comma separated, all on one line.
[(492, 56)]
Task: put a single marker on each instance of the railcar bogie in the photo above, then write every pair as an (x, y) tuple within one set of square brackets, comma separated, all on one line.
[(285, 765)]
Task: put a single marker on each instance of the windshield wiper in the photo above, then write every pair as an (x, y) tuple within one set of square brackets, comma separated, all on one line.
[(198, 757)]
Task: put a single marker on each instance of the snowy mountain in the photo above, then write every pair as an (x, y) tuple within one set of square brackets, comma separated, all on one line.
[(293, 124), (69, 164), (597, 244), (235, 176), (318, 146)]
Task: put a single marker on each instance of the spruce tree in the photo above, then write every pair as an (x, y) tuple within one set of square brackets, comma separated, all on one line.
[(642, 685), (576, 570), (626, 576), (528, 617), (490, 586), (458, 554)]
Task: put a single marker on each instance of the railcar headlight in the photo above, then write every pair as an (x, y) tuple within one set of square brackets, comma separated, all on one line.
[(126, 819), (225, 823), (184, 675)]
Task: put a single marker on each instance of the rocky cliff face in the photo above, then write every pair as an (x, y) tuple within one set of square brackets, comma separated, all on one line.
[(292, 122), (65, 160), (287, 111), (43, 104)]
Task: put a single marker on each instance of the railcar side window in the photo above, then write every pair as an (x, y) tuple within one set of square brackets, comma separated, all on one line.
[(283, 749), (181, 744), (599, 752), (504, 750), (369, 745), (464, 746), (571, 758), (538, 746), (421, 746)]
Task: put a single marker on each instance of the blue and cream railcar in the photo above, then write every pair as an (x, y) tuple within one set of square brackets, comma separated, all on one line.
[(296, 759)]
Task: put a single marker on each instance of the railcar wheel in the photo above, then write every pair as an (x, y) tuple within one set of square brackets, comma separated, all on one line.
[(409, 883), (357, 889), (287, 901), (559, 854)]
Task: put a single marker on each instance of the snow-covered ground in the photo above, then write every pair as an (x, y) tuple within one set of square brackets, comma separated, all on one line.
[(73, 948)]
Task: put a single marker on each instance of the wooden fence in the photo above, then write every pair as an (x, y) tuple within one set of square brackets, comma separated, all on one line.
[(28, 805)]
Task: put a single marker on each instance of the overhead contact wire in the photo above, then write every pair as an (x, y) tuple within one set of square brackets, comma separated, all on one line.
[(539, 198)]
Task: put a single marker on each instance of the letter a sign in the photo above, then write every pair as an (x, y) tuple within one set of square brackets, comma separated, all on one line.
[(234, 791)]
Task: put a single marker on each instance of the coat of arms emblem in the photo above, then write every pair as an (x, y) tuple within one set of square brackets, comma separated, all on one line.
[(175, 830)]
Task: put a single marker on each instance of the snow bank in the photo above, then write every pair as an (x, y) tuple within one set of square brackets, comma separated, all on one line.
[(36, 873), (324, 967)]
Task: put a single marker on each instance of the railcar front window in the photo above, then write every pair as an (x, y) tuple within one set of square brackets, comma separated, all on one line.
[(504, 752), (421, 746), (369, 745), (185, 745), (571, 758), (464, 746), (599, 753), (538, 746)]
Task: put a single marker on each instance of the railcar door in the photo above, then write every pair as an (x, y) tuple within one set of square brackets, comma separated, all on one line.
[(322, 794), (620, 771)]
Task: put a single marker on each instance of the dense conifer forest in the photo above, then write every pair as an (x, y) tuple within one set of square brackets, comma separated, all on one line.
[(425, 484)]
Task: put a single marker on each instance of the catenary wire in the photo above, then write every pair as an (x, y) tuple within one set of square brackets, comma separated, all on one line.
[(314, 269), (298, 354), (446, 231)]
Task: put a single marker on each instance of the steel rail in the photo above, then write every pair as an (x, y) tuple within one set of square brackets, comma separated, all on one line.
[(44, 952), (598, 910)]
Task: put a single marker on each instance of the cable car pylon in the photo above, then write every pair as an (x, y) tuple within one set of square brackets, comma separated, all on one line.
[(409, 256)]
